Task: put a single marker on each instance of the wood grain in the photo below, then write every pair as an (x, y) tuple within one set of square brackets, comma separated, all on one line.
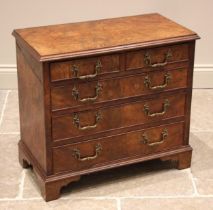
[(63, 70), (31, 109), (45, 59), (120, 146), (117, 117), (135, 59), (53, 41), (116, 89)]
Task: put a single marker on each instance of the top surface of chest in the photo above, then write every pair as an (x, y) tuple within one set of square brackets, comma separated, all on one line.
[(75, 39)]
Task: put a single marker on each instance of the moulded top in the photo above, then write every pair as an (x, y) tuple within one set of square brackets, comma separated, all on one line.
[(100, 36)]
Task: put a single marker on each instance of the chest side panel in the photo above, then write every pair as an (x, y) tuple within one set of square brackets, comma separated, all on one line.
[(31, 107)]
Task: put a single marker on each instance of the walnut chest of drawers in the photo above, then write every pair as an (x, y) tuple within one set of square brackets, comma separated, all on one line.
[(102, 94)]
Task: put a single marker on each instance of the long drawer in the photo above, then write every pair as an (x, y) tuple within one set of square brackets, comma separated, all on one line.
[(89, 122), (80, 94), (105, 150)]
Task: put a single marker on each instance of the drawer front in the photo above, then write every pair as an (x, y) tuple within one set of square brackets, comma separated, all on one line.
[(85, 68), (105, 150), (95, 121), (157, 57), (87, 93)]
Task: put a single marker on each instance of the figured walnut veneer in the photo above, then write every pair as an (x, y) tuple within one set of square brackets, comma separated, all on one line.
[(101, 94)]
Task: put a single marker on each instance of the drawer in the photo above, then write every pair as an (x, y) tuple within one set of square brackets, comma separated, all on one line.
[(106, 150), (157, 57), (79, 94), (85, 68), (89, 122)]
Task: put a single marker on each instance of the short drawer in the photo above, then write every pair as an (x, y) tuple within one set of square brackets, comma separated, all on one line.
[(159, 57), (89, 122), (85, 68), (106, 150), (79, 94)]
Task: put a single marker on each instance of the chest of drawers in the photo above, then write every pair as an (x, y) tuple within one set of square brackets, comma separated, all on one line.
[(102, 94)]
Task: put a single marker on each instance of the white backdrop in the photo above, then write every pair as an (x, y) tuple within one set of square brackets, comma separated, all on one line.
[(196, 15)]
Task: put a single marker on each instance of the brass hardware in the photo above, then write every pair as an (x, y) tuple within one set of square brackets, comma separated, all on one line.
[(77, 153), (147, 82), (164, 135), (76, 122), (165, 107), (75, 94), (148, 60), (98, 67)]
